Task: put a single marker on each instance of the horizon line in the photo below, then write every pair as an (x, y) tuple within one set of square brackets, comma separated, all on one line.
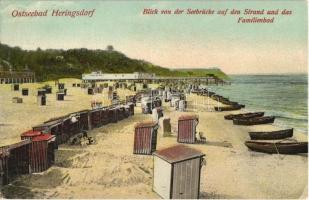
[(261, 74)]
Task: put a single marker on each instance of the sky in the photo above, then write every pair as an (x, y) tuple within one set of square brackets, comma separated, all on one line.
[(173, 41)]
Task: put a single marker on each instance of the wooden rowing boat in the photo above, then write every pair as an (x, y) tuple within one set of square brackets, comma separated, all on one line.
[(228, 108), (227, 101), (209, 94), (244, 115), (233, 105), (271, 135), (278, 147), (254, 121)]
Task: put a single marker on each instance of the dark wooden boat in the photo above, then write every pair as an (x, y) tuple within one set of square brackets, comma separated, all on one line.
[(209, 94), (271, 135), (206, 92), (232, 103), (195, 91), (216, 97), (229, 102), (254, 121), (228, 108), (224, 100), (278, 147), (244, 115)]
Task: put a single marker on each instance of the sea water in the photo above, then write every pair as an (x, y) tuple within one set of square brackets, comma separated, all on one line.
[(283, 96)]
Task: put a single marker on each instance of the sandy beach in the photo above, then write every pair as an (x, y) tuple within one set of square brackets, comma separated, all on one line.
[(109, 169)]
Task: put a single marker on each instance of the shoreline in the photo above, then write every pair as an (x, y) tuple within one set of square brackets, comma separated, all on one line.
[(245, 110), (283, 96)]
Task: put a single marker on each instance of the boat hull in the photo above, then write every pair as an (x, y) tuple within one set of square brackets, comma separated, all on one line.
[(244, 115), (254, 121), (272, 135), (228, 108), (281, 148)]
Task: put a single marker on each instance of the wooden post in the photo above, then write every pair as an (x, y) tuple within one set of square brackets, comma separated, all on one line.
[(89, 122)]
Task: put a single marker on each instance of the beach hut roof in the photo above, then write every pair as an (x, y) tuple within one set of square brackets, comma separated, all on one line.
[(112, 108), (178, 153), (15, 145), (80, 112), (98, 109), (48, 124), (188, 117), (31, 133), (43, 137), (145, 124), (55, 121)]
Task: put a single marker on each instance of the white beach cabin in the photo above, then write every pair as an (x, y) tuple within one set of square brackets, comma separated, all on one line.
[(177, 172)]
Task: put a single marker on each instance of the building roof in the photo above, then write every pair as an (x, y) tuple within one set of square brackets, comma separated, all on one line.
[(15, 74), (178, 153)]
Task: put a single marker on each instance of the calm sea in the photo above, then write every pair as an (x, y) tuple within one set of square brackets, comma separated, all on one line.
[(284, 96)]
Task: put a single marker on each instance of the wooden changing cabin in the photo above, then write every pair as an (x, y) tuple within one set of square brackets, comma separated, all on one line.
[(177, 171), (65, 127), (145, 138), (113, 115), (42, 150), (15, 87), (98, 117), (121, 112), (187, 128), (131, 105), (25, 91), (53, 127), (95, 118), (14, 161)]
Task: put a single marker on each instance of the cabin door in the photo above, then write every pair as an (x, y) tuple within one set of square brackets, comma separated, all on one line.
[(186, 176)]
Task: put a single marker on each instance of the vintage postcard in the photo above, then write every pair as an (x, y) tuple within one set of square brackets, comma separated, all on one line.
[(145, 99)]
